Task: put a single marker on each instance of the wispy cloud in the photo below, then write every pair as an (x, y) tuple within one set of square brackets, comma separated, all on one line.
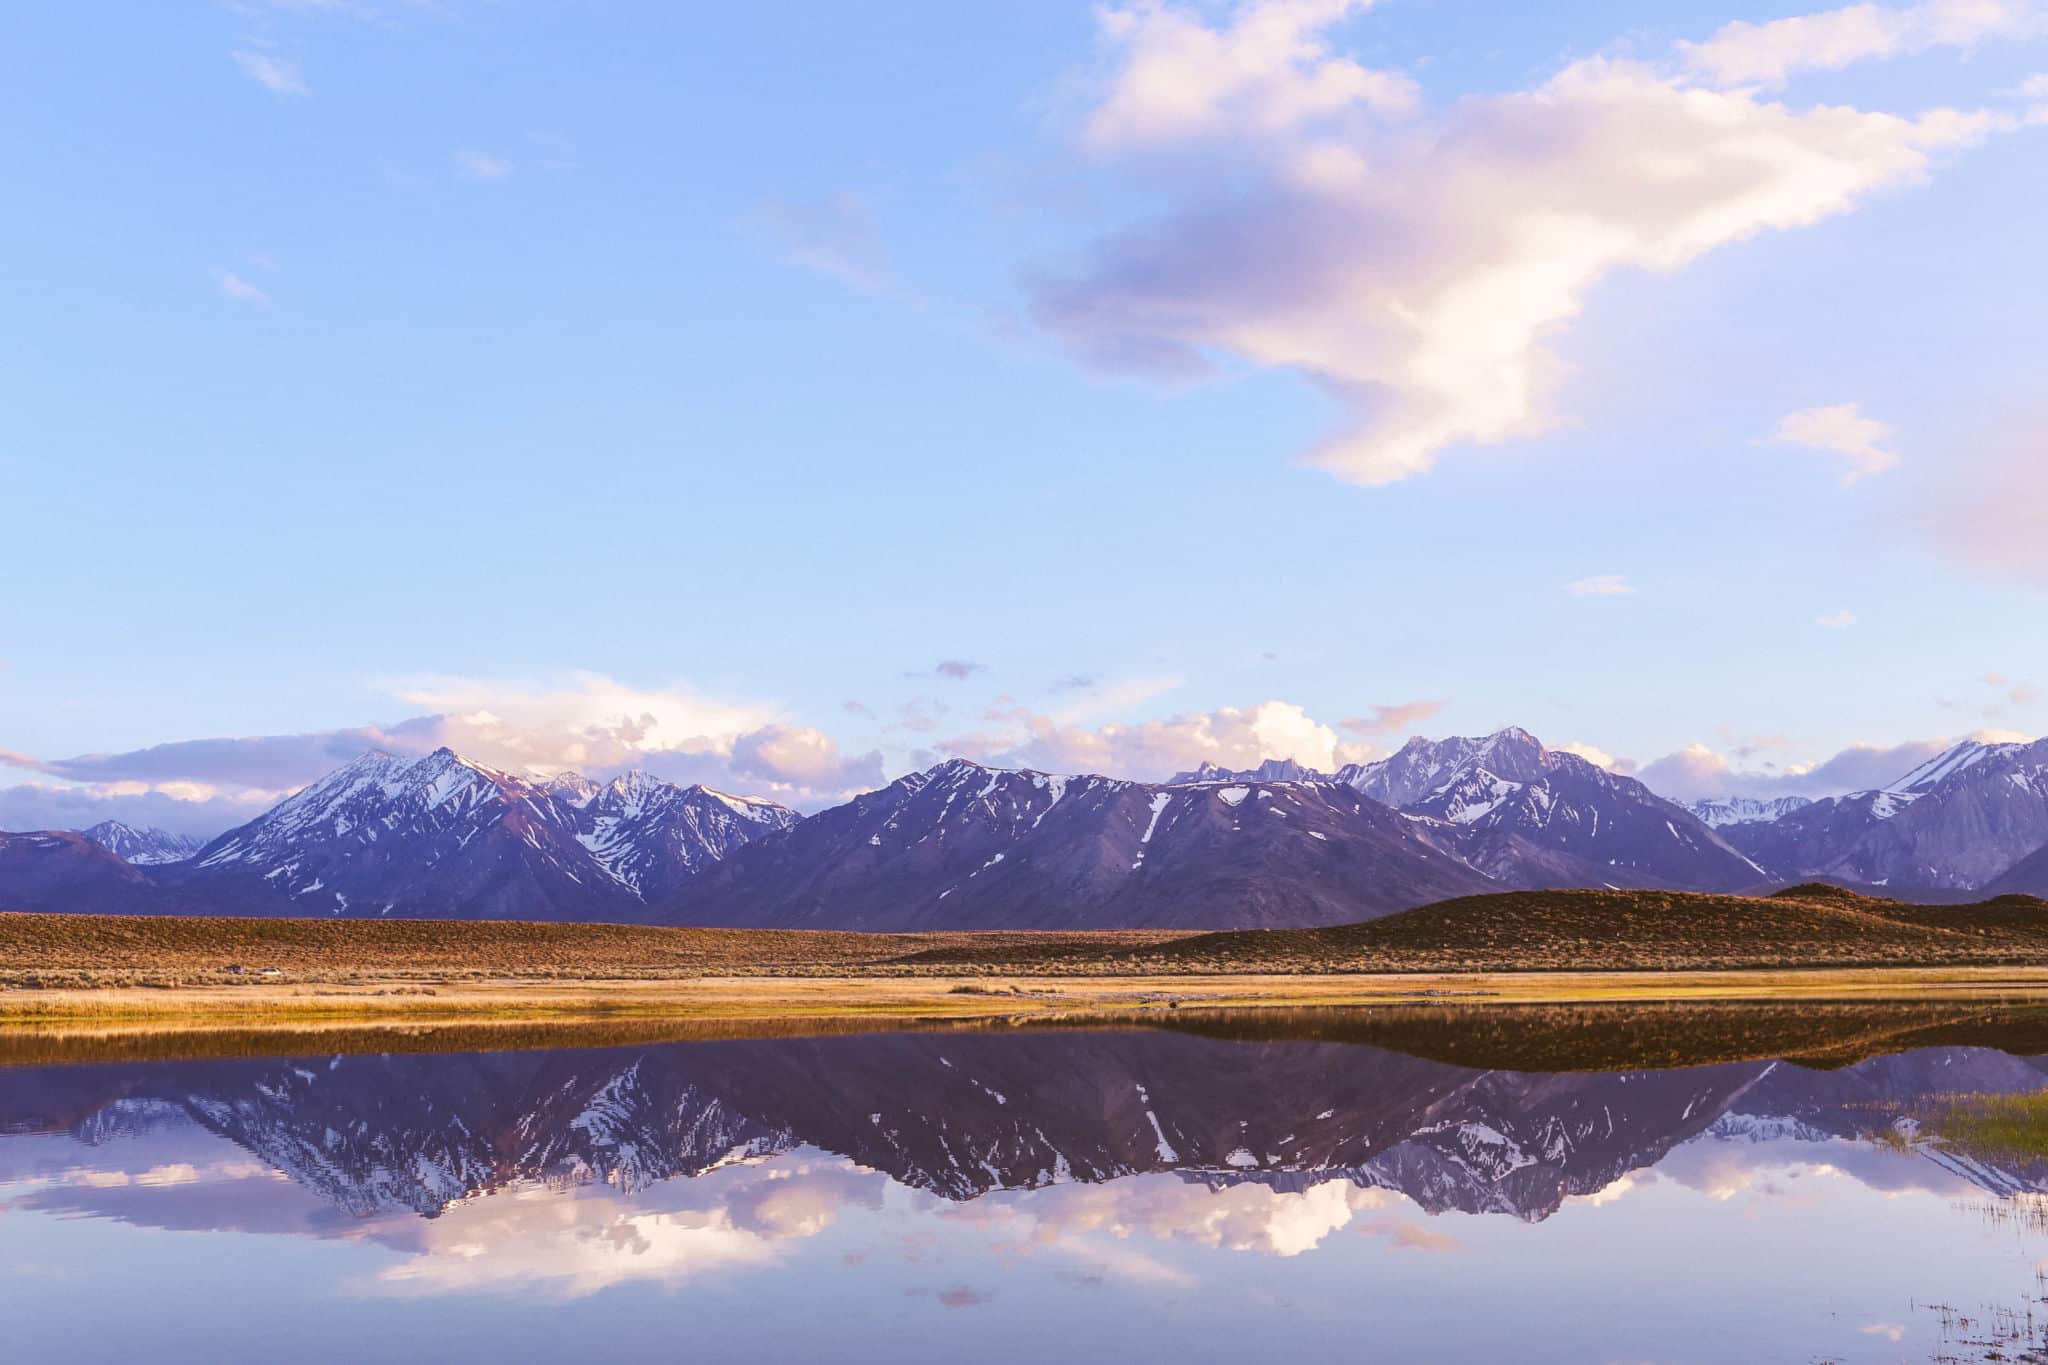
[(1701, 770), (1839, 620), (835, 235), (483, 166), (958, 669), (273, 73), (1391, 719), (1861, 442), (1601, 585), (240, 290), (1769, 54)]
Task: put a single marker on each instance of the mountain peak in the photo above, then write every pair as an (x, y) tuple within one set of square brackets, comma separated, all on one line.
[(143, 847)]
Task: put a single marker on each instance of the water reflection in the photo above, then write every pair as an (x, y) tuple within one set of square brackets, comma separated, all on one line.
[(1073, 1163)]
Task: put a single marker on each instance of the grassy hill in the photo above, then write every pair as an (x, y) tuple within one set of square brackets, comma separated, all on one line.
[(1805, 926), (1813, 925)]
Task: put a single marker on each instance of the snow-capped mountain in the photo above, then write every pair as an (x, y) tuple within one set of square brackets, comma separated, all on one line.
[(1957, 822), (1272, 770), (653, 835), (1536, 817), (1533, 817), (963, 846), (1742, 810), (443, 837), (1422, 768), (149, 847)]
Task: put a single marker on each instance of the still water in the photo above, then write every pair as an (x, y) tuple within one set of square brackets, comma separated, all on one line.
[(1505, 1185)]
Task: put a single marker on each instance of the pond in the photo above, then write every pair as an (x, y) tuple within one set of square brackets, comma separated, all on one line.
[(1862, 1183)]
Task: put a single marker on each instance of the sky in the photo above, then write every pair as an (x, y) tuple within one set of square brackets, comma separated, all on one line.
[(787, 396)]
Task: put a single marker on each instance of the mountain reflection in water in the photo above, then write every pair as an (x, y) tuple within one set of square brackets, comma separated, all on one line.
[(1125, 1158)]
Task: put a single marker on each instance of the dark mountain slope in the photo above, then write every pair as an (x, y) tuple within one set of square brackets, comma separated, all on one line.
[(962, 846)]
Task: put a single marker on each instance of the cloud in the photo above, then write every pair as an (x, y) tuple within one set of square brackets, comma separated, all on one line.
[(46, 805), (1420, 275), (580, 721), (267, 763), (786, 756), (1268, 72), (1987, 513), (2016, 691), (1600, 585), (957, 669), (1248, 1217), (1231, 736), (1699, 771), (597, 725), (1839, 620), (1769, 54), (1392, 719), (483, 166), (275, 74), (241, 291), (1840, 430), (835, 235), (1411, 1236), (1593, 754)]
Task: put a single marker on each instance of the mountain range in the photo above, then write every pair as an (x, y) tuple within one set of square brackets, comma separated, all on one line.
[(960, 845)]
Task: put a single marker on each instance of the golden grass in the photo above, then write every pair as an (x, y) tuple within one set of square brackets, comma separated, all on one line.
[(1812, 944)]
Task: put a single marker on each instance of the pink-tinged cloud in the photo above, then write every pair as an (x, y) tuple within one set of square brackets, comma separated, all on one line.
[(1391, 719), (1700, 771), (1420, 276), (1769, 54), (1988, 513), (1862, 444)]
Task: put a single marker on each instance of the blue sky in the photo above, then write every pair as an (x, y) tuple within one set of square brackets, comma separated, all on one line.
[(681, 386)]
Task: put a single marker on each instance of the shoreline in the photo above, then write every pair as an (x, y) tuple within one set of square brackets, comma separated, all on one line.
[(1018, 997)]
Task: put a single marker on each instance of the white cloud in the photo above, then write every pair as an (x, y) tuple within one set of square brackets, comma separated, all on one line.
[(240, 290), (1064, 1219), (1421, 276), (1601, 585), (1594, 755), (482, 166), (275, 74), (1841, 430), (1269, 71), (1839, 620), (591, 723), (579, 721), (1769, 54), (1231, 736)]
